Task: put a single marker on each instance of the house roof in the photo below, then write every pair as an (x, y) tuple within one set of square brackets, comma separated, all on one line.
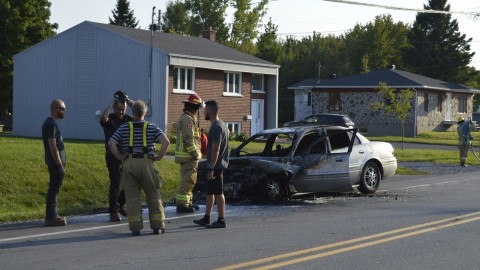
[(393, 78), (195, 47)]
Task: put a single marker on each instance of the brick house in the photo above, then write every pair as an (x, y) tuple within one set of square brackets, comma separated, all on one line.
[(87, 63), (436, 104)]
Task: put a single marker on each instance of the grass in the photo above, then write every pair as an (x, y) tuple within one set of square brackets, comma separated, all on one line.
[(432, 137), (24, 176)]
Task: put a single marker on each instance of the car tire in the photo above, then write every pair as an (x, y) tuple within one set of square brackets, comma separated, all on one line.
[(274, 189), (370, 178)]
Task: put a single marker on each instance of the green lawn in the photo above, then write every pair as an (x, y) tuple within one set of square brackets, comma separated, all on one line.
[(442, 138), (24, 176)]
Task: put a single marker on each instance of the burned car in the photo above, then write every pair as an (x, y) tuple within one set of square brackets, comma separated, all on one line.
[(279, 163)]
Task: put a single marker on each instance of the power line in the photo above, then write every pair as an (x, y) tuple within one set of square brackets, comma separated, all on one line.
[(474, 14)]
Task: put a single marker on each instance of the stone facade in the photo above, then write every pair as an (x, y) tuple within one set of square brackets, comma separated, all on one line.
[(356, 104)]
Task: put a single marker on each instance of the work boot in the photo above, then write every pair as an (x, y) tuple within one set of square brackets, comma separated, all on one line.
[(217, 224), (463, 165), (122, 211), (202, 222), (56, 221), (195, 206), (135, 233), (161, 229), (114, 217), (185, 209)]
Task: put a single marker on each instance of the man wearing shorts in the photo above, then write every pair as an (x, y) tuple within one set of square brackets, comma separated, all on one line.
[(217, 161)]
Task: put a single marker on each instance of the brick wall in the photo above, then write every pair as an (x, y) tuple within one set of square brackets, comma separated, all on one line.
[(209, 85)]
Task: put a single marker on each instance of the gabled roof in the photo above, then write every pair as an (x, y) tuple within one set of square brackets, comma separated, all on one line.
[(195, 47), (398, 79)]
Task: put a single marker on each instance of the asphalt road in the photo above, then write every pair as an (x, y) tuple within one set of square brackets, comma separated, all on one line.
[(413, 222)]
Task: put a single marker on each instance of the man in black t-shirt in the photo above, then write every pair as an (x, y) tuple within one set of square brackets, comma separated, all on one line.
[(110, 123), (55, 159), (217, 161)]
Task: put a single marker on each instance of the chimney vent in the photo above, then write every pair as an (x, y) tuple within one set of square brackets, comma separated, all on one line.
[(209, 34)]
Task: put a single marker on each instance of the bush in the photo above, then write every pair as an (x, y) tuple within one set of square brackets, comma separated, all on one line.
[(238, 137)]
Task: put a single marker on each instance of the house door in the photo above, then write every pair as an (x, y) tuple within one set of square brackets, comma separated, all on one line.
[(448, 104), (303, 104), (257, 116)]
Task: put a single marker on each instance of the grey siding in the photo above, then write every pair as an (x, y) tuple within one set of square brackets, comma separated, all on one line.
[(84, 66), (38, 80)]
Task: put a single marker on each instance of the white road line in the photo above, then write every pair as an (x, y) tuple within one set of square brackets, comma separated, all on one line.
[(87, 229)]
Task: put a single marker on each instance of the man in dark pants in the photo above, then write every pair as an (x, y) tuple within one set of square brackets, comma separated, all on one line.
[(217, 161), (110, 123), (55, 159)]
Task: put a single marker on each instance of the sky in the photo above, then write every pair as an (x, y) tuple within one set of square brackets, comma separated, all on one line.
[(298, 18)]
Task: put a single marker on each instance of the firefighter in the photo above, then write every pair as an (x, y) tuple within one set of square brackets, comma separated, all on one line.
[(188, 152), (464, 139), (137, 139)]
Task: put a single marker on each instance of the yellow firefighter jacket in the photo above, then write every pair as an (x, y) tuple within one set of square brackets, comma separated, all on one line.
[(188, 138)]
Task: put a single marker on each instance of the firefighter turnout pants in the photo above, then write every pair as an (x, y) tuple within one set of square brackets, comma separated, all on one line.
[(138, 174), (463, 147), (188, 179)]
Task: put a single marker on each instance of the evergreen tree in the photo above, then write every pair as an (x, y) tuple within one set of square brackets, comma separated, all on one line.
[(24, 23), (122, 15), (438, 49)]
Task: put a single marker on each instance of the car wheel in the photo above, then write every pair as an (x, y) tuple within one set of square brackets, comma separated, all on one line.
[(370, 178), (274, 189)]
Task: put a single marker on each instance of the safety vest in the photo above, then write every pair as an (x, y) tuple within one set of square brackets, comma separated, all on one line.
[(189, 147), (144, 137)]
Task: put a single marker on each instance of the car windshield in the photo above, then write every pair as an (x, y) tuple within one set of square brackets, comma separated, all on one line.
[(269, 145)]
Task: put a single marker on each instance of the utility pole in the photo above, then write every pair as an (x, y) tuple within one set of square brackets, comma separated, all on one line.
[(151, 63), (319, 70)]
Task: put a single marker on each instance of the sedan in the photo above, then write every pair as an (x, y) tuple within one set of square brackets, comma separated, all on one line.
[(327, 119), (280, 163)]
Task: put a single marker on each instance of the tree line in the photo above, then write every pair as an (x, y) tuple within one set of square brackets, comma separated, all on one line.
[(432, 46)]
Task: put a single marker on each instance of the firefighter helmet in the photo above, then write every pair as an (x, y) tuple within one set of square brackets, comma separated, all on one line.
[(195, 100), (460, 119), (120, 95)]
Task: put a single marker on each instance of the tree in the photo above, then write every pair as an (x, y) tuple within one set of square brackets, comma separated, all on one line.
[(24, 23), (438, 49), (175, 19), (376, 44), (244, 29), (268, 46), (398, 103), (122, 15), (208, 13)]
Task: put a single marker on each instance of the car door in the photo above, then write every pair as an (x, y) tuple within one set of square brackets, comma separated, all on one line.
[(357, 158), (326, 171)]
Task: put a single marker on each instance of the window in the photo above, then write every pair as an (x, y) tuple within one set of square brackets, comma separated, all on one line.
[(257, 83), (334, 102), (440, 102), (234, 128), (183, 79), (425, 102), (232, 83), (462, 104)]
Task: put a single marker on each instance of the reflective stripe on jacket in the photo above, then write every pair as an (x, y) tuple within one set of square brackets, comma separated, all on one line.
[(188, 138)]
